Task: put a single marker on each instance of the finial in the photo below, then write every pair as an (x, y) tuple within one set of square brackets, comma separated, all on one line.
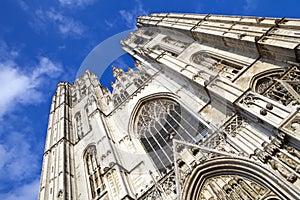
[(117, 71), (129, 69)]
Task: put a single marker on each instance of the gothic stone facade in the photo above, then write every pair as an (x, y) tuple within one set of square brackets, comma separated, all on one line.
[(210, 112)]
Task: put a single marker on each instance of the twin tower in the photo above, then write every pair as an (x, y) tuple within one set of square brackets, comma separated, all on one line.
[(211, 111)]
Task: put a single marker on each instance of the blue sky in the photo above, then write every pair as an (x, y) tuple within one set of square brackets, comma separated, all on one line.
[(43, 42)]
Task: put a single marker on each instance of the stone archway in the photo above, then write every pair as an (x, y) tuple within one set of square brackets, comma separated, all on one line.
[(234, 178)]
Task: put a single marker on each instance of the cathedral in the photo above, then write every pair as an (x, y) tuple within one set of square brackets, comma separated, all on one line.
[(211, 111)]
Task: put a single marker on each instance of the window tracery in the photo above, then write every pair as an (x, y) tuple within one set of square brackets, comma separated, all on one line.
[(217, 64), (281, 87), (94, 171), (139, 40), (149, 32), (158, 121)]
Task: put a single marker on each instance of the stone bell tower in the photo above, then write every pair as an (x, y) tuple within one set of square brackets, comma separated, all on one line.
[(210, 111)]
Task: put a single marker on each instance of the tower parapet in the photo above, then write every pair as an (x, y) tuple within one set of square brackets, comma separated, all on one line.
[(211, 111)]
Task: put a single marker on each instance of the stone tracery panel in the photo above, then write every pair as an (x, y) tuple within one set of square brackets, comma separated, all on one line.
[(283, 87), (166, 187), (223, 66), (233, 187), (160, 120)]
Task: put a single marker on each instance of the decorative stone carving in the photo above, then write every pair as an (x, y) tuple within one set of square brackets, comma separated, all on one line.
[(277, 141), (60, 195), (232, 187), (218, 64), (262, 155), (270, 148), (259, 189), (281, 87), (74, 97), (282, 170), (265, 82), (213, 141), (293, 151), (169, 185), (247, 188), (163, 188), (176, 43), (233, 127), (295, 126), (288, 161), (139, 40)]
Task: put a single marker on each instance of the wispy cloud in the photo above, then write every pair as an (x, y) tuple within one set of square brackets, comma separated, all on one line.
[(66, 26), (19, 161), (129, 16), (23, 5), (108, 23), (250, 5), (25, 192), (76, 3), (19, 151), (18, 87)]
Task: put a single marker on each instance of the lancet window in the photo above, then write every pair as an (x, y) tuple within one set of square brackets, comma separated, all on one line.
[(283, 87), (160, 120), (218, 64), (94, 172), (78, 125)]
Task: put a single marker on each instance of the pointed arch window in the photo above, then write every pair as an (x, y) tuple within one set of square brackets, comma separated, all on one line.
[(225, 66), (160, 120), (280, 86), (93, 171), (78, 124)]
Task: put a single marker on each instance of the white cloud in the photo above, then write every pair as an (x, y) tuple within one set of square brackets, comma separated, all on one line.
[(64, 25), (18, 87), (14, 85), (19, 160), (76, 3), (130, 15), (25, 192)]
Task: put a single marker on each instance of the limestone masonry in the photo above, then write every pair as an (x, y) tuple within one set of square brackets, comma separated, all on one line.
[(211, 111)]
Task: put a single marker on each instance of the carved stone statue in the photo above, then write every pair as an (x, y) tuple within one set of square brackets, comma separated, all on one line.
[(262, 155), (260, 190), (241, 193), (293, 151), (282, 170), (248, 189), (289, 161), (296, 126), (276, 141), (270, 148)]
